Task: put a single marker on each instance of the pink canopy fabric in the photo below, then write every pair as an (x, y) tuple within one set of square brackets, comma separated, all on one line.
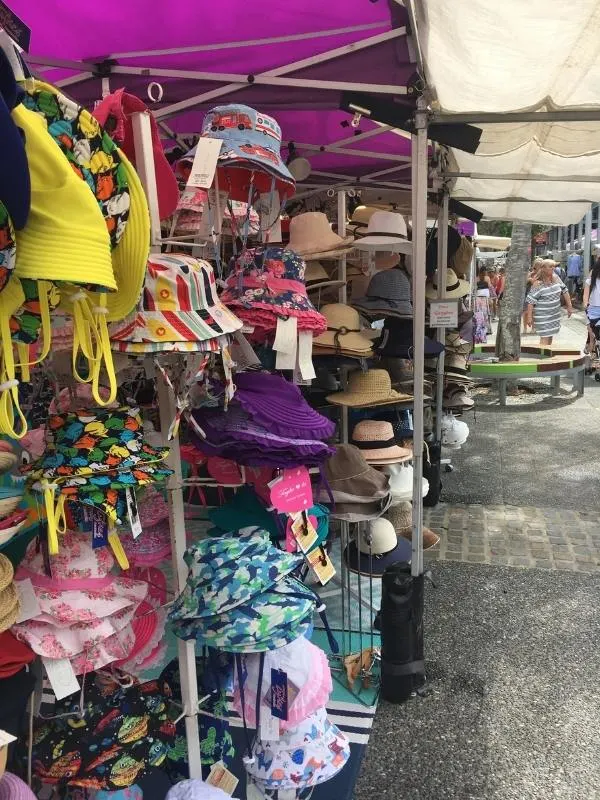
[(228, 38)]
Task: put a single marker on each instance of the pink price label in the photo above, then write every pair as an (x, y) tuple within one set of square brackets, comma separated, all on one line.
[(292, 491)]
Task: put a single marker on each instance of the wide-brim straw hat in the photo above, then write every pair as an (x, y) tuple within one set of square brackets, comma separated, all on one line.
[(377, 443), (343, 330), (401, 518), (6, 572), (10, 606), (360, 220), (312, 238), (370, 388), (317, 277), (386, 231), (455, 287)]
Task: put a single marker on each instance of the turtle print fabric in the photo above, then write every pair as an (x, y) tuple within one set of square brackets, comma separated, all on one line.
[(90, 151)]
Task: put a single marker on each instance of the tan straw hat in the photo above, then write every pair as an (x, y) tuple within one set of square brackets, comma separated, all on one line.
[(6, 572), (454, 286), (317, 277), (360, 220), (376, 441), (401, 518), (343, 331), (370, 388), (10, 607), (312, 238)]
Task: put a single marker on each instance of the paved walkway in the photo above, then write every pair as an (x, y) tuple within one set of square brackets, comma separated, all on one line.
[(525, 490)]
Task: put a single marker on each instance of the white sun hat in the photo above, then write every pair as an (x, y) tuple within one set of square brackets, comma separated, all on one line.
[(386, 231)]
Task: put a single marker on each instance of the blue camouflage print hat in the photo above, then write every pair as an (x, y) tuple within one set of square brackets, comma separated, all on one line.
[(267, 621), (229, 571)]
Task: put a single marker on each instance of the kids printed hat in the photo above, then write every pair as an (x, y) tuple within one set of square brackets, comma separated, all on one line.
[(308, 755), (196, 789), (266, 283), (93, 457), (267, 621), (250, 154), (114, 113), (308, 676), (8, 250), (228, 571), (179, 309)]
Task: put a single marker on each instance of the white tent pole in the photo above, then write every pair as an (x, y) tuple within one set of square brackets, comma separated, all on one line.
[(142, 136), (442, 270), (473, 271), (341, 229), (587, 252), (79, 78), (247, 42), (419, 226)]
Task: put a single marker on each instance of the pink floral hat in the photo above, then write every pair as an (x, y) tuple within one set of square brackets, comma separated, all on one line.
[(84, 609)]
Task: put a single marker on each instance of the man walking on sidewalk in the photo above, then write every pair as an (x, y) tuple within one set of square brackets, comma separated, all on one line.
[(575, 274)]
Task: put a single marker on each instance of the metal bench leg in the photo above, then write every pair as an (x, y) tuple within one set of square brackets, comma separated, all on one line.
[(580, 382), (502, 391), (555, 382)]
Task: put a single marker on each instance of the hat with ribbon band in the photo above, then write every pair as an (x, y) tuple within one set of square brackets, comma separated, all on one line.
[(344, 333), (377, 442), (386, 230)]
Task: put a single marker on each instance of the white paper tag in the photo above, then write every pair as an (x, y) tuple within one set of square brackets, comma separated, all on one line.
[(269, 209), (286, 794), (286, 335), (205, 162), (30, 608), (6, 738), (305, 363), (210, 222), (61, 676), (252, 791), (133, 513), (269, 726)]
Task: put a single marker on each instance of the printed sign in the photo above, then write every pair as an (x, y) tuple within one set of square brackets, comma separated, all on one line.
[(292, 491), (443, 313)]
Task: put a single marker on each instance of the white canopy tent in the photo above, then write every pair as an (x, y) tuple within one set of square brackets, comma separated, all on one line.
[(493, 242), (528, 74)]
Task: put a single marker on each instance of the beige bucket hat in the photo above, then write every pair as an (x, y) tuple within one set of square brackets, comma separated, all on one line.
[(312, 238), (343, 332), (370, 388)]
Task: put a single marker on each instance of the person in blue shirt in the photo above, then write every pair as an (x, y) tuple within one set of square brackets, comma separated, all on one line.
[(575, 273)]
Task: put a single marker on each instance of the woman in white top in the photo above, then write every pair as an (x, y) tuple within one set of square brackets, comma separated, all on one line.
[(591, 303)]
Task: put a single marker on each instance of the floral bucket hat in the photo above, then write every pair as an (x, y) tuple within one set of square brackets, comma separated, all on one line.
[(267, 621), (266, 283), (93, 457), (306, 667), (120, 733), (310, 754), (179, 310), (228, 571), (83, 607)]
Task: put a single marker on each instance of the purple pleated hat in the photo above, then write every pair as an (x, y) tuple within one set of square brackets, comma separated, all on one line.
[(278, 405), (233, 434), (13, 788)]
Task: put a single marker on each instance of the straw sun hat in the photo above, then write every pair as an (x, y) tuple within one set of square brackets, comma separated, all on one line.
[(370, 388), (454, 287), (9, 599), (312, 238), (401, 518), (376, 441), (343, 331), (316, 277)]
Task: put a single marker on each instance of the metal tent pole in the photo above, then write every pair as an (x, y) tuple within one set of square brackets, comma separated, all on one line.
[(442, 270), (419, 226), (472, 271), (186, 650)]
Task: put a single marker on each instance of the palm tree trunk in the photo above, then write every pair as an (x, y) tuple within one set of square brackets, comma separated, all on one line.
[(508, 338)]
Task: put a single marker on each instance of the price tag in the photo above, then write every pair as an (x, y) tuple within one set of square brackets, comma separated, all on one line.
[(133, 513), (305, 364), (304, 532), (204, 165), (30, 608), (321, 565), (443, 313), (286, 343), (61, 676), (269, 726), (99, 528), (222, 778), (279, 693)]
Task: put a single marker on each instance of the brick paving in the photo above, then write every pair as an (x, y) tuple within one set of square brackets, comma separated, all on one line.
[(546, 538)]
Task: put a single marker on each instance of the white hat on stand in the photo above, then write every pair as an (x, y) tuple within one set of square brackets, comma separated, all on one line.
[(386, 231)]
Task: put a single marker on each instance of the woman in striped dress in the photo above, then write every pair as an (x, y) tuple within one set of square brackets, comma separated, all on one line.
[(543, 302)]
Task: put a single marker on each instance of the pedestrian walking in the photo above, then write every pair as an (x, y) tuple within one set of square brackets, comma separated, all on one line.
[(575, 273), (591, 303), (544, 300)]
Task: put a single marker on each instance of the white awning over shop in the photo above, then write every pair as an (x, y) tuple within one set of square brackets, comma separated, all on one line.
[(484, 57)]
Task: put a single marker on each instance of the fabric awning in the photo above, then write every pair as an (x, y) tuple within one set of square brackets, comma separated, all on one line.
[(485, 56)]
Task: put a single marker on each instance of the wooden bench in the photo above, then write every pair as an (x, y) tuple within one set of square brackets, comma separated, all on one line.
[(536, 362)]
